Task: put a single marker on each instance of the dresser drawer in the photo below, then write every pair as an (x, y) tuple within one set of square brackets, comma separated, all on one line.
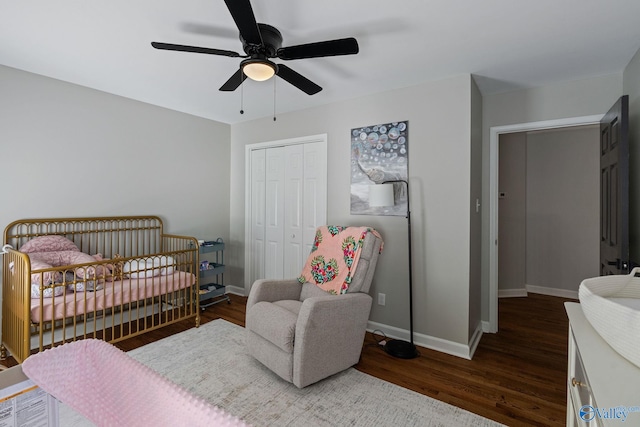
[(603, 388), (578, 388)]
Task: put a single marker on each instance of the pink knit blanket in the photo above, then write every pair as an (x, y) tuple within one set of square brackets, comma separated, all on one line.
[(110, 388), (334, 257)]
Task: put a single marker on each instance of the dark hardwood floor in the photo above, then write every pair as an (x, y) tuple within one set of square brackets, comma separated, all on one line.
[(517, 376)]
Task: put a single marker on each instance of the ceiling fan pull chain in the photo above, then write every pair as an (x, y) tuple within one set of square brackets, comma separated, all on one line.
[(274, 100), (241, 95)]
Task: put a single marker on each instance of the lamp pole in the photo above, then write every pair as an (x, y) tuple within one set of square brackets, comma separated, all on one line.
[(399, 348)]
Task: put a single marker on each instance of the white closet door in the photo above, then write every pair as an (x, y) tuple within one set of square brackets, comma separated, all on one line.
[(274, 213), (314, 203), (294, 188), (288, 201), (257, 216)]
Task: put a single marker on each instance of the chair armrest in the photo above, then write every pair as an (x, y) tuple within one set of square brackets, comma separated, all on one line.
[(346, 311), (329, 335), (273, 290)]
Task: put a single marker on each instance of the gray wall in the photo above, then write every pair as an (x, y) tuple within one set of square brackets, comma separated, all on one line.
[(512, 212), (631, 87), (570, 99), (70, 151), (439, 116), (563, 207), (549, 219), (475, 242)]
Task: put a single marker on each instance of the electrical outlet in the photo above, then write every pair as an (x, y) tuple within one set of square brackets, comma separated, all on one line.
[(381, 299)]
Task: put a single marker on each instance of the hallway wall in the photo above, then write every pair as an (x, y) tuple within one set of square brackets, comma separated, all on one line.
[(563, 208), (549, 211)]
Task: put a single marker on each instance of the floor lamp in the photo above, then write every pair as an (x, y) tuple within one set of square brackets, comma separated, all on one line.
[(383, 195)]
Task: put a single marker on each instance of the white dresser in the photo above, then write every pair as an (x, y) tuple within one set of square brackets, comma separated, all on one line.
[(603, 388)]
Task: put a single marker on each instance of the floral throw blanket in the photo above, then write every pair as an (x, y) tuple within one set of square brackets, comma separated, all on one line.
[(334, 257)]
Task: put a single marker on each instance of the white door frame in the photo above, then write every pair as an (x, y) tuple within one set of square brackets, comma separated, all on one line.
[(494, 156), (321, 138)]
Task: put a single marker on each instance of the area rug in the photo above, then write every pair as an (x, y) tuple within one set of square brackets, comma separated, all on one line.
[(211, 362)]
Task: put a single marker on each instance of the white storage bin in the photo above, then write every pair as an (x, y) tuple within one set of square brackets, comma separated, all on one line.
[(612, 306)]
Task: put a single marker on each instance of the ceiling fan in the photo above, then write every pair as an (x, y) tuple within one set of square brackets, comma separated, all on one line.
[(261, 42)]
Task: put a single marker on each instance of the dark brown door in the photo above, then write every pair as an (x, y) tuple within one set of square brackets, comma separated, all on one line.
[(614, 189)]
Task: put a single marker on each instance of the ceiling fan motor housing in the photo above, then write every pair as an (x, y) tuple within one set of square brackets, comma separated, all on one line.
[(271, 42)]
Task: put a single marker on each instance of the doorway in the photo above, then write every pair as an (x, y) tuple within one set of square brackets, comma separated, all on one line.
[(286, 200), (494, 135), (549, 211)]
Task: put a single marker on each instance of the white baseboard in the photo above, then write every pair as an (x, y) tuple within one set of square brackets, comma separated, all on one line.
[(427, 341), (486, 327), (544, 290), (512, 293), (475, 340), (554, 292), (236, 290)]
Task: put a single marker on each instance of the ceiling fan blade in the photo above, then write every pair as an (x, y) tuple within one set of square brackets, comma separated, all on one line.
[(234, 81), (298, 80), (195, 49), (348, 46), (245, 20)]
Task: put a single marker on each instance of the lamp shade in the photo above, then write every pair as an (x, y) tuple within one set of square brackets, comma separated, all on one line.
[(258, 70), (381, 195)]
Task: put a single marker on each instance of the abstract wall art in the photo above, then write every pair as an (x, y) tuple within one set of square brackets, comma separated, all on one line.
[(379, 153)]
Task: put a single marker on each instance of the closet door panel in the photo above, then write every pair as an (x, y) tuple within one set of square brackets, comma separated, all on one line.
[(294, 175), (257, 214), (314, 204), (274, 213)]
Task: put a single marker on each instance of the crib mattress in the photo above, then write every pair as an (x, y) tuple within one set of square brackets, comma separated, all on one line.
[(114, 294)]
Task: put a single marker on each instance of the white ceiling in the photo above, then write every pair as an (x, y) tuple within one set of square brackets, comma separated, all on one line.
[(506, 44)]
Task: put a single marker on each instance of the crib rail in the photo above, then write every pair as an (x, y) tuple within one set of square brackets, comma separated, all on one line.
[(84, 301), (16, 323), (125, 236)]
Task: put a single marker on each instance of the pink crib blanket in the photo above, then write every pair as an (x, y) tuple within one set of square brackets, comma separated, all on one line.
[(109, 388), (334, 256)]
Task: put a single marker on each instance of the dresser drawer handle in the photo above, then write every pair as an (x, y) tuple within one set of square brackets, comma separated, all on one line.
[(578, 383)]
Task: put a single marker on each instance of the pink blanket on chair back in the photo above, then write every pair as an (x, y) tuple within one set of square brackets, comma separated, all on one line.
[(334, 257), (111, 389)]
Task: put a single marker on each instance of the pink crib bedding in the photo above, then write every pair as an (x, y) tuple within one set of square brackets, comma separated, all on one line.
[(111, 389), (112, 295)]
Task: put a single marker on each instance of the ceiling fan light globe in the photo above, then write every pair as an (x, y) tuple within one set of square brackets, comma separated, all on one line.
[(259, 71)]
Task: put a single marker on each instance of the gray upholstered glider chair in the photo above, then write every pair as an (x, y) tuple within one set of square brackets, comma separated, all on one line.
[(305, 334)]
